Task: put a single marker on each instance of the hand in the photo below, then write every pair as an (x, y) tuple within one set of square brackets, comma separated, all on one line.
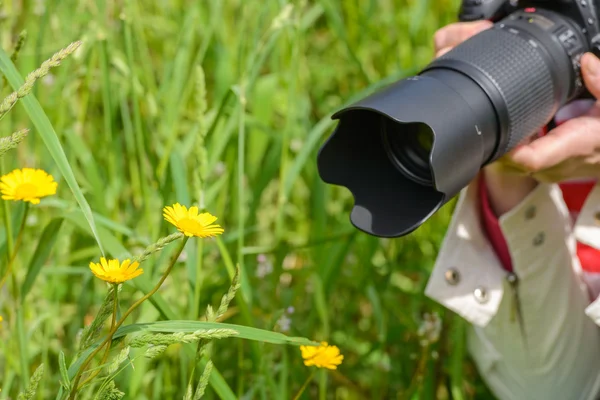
[(454, 34), (571, 150)]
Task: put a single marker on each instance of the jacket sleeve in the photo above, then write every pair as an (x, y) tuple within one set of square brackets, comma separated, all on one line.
[(557, 340), (587, 233), (491, 227)]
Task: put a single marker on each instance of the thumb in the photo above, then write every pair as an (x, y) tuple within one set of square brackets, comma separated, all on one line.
[(590, 69)]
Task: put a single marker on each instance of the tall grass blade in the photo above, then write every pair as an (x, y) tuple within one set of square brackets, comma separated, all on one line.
[(245, 332), (46, 131), (40, 255)]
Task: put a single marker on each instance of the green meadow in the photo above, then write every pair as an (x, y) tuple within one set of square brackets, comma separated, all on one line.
[(221, 105)]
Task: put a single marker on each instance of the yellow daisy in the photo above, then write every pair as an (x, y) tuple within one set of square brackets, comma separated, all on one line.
[(27, 184), (113, 272), (323, 356), (190, 223)]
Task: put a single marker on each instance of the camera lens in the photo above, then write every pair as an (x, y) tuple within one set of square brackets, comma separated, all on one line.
[(409, 147)]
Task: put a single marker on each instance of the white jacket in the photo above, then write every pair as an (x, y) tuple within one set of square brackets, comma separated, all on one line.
[(559, 303)]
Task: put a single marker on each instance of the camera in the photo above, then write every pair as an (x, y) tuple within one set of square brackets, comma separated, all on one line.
[(405, 151)]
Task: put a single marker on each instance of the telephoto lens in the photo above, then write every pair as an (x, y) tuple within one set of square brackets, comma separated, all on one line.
[(408, 149)]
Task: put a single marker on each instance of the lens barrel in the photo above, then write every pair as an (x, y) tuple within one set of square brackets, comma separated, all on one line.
[(475, 103)]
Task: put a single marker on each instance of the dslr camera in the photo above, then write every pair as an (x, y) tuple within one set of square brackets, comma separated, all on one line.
[(408, 149)]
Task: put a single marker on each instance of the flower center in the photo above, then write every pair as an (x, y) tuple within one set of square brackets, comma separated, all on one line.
[(25, 191), (189, 225)]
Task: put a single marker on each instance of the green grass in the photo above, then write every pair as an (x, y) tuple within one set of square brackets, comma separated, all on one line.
[(116, 124)]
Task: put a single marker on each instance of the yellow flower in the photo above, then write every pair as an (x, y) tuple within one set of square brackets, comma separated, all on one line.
[(190, 223), (27, 184), (112, 271), (323, 356)]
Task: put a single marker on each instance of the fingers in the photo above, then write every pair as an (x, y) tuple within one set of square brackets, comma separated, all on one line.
[(454, 34), (575, 138), (590, 69), (442, 51)]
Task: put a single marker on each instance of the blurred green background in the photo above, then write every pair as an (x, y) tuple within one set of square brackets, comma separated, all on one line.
[(126, 111)]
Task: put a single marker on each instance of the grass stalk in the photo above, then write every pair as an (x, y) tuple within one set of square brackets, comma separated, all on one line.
[(137, 120), (241, 176)]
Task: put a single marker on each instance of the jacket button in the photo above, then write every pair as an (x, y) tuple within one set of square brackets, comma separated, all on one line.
[(539, 239), (481, 295), (452, 276), (530, 212)]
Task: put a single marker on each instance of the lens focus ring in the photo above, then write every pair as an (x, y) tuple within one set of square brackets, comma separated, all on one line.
[(519, 71)]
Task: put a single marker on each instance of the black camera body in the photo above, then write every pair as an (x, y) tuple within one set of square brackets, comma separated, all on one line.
[(408, 149)]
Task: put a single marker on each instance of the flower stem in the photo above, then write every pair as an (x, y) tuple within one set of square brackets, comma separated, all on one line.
[(303, 388), (18, 307), (12, 247), (76, 387), (198, 283), (196, 307)]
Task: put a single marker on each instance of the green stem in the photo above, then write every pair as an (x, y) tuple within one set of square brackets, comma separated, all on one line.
[(12, 252), (7, 222), (303, 388), (240, 177), (122, 320), (323, 385), (21, 334), (285, 137), (112, 325), (196, 361), (196, 305), (138, 132), (21, 229), (198, 283), (23, 356)]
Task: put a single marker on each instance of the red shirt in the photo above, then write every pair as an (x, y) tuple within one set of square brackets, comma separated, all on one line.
[(574, 195)]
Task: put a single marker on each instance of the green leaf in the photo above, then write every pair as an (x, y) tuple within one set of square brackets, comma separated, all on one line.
[(245, 332), (65, 381), (48, 135), (42, 251)]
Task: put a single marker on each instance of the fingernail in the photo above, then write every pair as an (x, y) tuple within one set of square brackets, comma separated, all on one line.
[(593, 65)]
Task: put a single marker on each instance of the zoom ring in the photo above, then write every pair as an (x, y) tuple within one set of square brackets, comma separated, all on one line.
[(519, 72)]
